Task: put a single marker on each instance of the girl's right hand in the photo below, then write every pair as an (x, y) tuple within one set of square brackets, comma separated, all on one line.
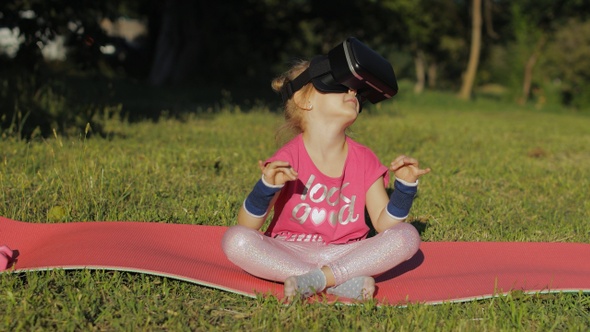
[(277, 172)]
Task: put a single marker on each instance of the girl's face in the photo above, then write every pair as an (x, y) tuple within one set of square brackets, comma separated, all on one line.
[(336, 104)]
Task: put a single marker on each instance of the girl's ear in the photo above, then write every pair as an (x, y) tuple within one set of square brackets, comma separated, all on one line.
[(302, 99)]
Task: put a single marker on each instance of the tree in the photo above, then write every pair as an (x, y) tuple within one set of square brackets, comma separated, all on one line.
[(32, 101), (531, 29), (471, 72), (568, 60), (534, 23), (428, 32), (177, 41)]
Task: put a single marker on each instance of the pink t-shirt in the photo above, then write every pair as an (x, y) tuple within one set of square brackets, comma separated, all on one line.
[(321, 208)]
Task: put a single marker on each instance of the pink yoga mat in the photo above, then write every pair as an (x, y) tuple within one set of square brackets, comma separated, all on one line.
[(439, 272)]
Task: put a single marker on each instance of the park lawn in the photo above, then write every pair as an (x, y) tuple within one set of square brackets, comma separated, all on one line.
[(499, 173)]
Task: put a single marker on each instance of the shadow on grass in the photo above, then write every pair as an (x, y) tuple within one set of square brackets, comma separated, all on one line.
[(37, 102), (140, 100)]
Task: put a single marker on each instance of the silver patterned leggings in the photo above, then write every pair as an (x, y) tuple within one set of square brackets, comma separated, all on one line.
[(276, 260)]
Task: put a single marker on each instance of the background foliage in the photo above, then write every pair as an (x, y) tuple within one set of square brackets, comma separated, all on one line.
[(533, 52)]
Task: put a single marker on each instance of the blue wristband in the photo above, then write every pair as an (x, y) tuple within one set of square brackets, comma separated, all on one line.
[(400, 201), (259, 199)]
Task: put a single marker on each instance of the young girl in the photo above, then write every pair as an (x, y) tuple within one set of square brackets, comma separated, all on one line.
[(319, 184)]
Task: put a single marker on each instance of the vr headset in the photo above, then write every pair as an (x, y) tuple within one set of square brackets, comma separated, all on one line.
[(350, 65)]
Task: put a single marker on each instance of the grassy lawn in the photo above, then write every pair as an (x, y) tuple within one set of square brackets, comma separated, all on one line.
[(499, 174)]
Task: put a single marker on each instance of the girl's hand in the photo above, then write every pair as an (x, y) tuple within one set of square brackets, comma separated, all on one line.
[(407, 169), (277, 172)]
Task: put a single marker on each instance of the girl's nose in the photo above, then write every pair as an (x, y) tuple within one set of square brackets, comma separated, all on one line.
[(353, 91)]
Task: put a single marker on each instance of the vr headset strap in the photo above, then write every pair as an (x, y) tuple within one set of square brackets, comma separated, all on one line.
[(318, 69)]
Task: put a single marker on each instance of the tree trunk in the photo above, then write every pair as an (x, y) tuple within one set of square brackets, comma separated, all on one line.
[(432, 74), (489, 19), (420, 65), (470, 73), (528, 71), (177, 44)]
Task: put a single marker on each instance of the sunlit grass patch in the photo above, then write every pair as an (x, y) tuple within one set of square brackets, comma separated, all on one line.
[(498, 175)]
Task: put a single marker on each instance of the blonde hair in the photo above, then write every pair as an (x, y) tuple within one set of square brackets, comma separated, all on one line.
[(293, 108)]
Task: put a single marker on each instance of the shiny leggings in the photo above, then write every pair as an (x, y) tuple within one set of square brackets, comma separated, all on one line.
[(276, 260)]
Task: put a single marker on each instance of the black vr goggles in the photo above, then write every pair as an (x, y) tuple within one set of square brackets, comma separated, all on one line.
[(350, 65)]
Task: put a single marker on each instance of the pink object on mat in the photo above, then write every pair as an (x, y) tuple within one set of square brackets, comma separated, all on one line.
[(439, 272), (5, 257)]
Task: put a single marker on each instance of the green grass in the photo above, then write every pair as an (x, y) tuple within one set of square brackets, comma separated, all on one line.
[(499, 174)]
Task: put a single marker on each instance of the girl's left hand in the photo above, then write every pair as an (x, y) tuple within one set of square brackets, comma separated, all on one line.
[(277, 172), (407, 169)]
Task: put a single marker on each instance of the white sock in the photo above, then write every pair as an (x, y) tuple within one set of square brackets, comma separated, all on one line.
[(359, 288), (306, 285)]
